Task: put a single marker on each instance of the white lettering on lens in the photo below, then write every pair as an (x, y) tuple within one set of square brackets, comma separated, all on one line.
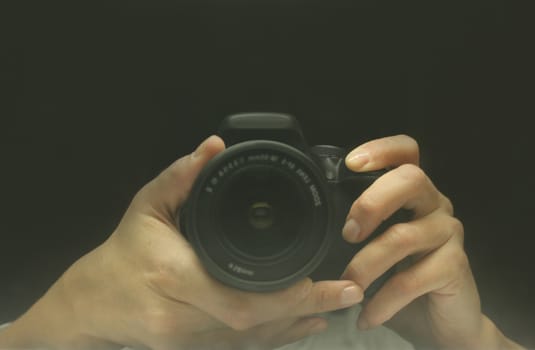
[(258, 157), (213, 182), (315, 195), (303, 175), (241, 270), (288, 163)]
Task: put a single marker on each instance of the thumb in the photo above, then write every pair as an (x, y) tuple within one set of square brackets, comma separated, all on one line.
[(168, 191)]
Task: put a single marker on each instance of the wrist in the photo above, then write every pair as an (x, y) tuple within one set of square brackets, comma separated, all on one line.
[(44, 325), (54, 322), (492, 338)]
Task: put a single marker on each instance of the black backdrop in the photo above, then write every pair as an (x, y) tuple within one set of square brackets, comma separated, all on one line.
[(97, 99)]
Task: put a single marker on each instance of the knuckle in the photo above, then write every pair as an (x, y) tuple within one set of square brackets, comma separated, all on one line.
[(412, 173), (175, 172), (166, 271), (170, 276), (447, 204), (295, 295), (161, 272), (458, 260), (157, 278), (322, 299), (358, 273), (367, 204), (400, 237), (457, 268), (406, 283), (140, 194), (456, 228), (354, 272)]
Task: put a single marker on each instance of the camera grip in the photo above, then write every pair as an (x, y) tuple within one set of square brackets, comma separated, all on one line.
[(341, 252)]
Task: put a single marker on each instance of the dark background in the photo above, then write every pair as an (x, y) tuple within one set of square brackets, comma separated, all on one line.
[(97, 99)]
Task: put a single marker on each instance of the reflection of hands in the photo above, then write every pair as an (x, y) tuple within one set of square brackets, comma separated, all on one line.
[(435, 298), (145, 287)]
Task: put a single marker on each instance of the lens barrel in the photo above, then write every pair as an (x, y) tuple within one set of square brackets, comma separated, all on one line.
[(258, 216)]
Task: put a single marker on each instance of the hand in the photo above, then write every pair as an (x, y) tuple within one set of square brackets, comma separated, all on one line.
[(144, 287), (433, 300)]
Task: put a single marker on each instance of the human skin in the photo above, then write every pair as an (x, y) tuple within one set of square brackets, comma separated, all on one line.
[(144, 287), (432, 300)]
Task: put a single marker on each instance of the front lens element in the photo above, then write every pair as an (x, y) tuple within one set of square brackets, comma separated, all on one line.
[(262, 212), (261, 215)]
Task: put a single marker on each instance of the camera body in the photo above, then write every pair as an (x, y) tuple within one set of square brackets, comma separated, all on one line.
[(269, 210)]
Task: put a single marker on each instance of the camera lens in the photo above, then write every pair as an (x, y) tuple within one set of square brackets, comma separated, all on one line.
[(262, 211), (258, 216)]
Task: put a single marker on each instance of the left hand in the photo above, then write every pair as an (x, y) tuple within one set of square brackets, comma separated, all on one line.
[(145, 287), (435, 299)]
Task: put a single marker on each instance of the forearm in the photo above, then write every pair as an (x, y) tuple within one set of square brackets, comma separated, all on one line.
[(490, 338), (493, 338), (48, 324), (417, 330), (41, 326)]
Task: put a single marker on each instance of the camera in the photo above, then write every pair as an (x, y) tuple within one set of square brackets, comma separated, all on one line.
[(269, 210)]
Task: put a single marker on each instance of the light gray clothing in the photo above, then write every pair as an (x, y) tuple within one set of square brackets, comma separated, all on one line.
[(343, 334)]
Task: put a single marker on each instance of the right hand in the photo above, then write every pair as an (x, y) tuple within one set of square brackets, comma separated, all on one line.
[(145, 287)]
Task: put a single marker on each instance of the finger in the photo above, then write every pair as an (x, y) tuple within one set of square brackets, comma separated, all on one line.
[(404, 187), (442, 273), (165, 193), (398, 242), (383, 153), (328, 296), (182, 278), (242, 310)]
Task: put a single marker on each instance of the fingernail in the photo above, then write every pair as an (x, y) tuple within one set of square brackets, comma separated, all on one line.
[(362, 324), (351, 295), (357, 159), (351, 230)]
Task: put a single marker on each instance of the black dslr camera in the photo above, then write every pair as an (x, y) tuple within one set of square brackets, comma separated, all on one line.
[(269, 210)]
